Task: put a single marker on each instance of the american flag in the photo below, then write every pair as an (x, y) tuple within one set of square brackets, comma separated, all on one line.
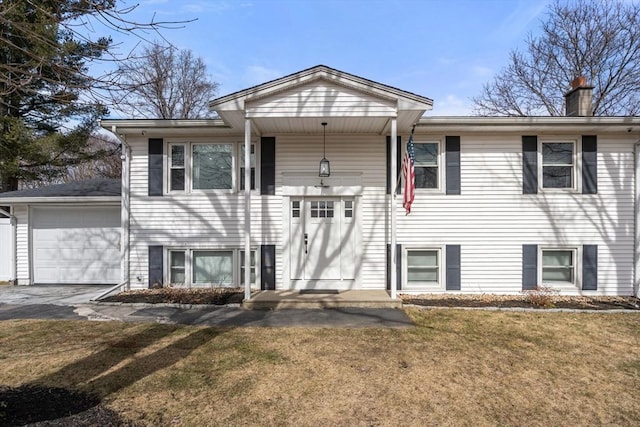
[(409, 174)]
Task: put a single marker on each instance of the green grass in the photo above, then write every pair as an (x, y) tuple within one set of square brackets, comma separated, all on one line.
[(454, 368)]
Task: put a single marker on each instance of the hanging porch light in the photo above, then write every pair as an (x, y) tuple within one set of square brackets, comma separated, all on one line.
[(325, 167)]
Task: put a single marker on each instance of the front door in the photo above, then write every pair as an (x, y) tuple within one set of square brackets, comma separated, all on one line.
[(322, 242)]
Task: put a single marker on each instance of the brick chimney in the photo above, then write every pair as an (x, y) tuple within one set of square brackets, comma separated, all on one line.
[(579, 99)]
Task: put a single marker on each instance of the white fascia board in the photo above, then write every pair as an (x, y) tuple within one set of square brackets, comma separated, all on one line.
[(45, 200), (129, 127), (237, 100), (529, 124)]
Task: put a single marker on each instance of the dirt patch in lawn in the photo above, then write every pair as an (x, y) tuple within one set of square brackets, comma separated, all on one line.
[(540, 300)]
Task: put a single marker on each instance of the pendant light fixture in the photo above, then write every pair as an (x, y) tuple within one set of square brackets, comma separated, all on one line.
[(325, 168)]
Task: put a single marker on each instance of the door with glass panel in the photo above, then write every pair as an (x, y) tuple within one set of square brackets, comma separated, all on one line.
[(322, 239)]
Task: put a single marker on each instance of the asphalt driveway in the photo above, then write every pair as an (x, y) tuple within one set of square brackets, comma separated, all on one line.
[(75, 302)]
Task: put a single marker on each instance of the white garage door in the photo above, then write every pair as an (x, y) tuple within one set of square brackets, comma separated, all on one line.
[(79, 245)]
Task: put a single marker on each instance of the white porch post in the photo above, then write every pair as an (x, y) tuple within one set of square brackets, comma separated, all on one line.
[(394, 185), (247, 209)]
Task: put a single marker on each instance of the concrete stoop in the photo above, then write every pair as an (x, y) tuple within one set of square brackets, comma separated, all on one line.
[(293, 299)]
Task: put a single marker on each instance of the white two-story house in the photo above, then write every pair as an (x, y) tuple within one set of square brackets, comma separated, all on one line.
[(502, 204)]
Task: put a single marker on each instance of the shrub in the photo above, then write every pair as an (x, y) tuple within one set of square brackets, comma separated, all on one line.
[(541, 296)]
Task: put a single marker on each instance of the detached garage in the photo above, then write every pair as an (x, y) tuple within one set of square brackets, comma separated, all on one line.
[(68, 233)]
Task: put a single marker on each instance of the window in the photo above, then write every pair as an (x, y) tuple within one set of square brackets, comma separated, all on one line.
[(253, 166), (295, 209), (558, 164), (209, 267), (426, 164), (213, 267), (423, 267), (176, 168), (177, 267), (322, 209), (253, 267), (212, 166), (348, 208), (208, 166), (558, 266)]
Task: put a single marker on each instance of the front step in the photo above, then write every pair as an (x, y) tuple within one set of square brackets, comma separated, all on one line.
[(293, 299)]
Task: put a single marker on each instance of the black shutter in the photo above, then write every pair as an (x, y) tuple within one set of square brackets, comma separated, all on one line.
[(453, 164), (155, 166), (529, 267), (590, 267), (398, 266), (589, 164), (529, 164), (452, 257), (398, 162), (156, 270), (268, 267), (268, 166)]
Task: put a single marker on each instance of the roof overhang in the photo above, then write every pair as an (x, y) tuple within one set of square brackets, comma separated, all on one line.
[(563, 124), (65, 200), (299, 102)]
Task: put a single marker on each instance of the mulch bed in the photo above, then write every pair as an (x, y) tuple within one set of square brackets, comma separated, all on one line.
[(215, 296), (523, 301), (222, 296)]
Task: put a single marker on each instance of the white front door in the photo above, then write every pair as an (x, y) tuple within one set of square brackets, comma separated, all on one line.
[(322, 242)]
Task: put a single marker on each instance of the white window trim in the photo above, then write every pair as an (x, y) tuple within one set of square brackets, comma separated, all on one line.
[(188, 259), (170, 167), (577, 268), (440, 286), (577, 165), (440, 160), (238, 166), (188, 165)]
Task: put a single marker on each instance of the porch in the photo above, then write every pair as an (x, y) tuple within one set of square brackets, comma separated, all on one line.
[(288, 299)]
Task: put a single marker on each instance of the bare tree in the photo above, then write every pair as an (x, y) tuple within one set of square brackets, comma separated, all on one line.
[(596, 39), (164, 83)]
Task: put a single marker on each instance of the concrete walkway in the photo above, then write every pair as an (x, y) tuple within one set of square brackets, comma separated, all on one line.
[(74, 302)]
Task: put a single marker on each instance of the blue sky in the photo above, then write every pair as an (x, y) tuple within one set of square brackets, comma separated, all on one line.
[(444, 50)]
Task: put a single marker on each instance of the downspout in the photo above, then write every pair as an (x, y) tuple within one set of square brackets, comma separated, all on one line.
[(14, 245), (636, 221), (125, 209)]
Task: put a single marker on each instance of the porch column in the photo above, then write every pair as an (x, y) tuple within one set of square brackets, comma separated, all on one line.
[(393, 268), (247, 209)]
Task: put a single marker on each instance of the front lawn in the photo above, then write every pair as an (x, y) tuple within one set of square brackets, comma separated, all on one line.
[(455, 368)]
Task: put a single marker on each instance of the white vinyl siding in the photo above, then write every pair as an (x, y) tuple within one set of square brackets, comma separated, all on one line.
[(321, 99), (491, 219), (6, 250), (21, 212)]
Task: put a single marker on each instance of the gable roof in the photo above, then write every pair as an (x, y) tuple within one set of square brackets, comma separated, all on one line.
[(95, 189), (299, 78), (299, 102)]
